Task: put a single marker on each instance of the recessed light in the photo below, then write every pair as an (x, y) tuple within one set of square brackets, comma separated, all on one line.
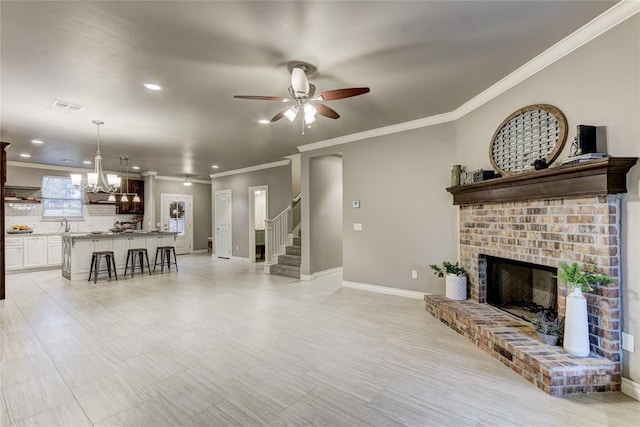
[(135, 168), (152, 86), (86, 162), (264, 121), (25, 155), (214, 166), (37, 141)]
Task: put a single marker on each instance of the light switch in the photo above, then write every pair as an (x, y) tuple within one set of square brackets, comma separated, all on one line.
[(357, 226)]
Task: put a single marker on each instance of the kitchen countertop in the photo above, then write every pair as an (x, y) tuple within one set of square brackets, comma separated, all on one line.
[(139, 233)]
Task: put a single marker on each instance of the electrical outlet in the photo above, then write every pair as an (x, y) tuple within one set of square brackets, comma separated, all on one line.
[(414, 274), (628, 342)]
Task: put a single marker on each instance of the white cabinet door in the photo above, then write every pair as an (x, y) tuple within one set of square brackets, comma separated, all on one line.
[(35, 251), (13, 253), (54, 250)]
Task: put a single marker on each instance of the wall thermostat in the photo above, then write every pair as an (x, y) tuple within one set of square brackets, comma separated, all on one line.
[(355, 204)]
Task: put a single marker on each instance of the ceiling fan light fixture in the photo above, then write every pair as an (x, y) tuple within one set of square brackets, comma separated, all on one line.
[(299, 81), (136, 198), (187, 182), (124, 198), (112, 198), (291, 113)]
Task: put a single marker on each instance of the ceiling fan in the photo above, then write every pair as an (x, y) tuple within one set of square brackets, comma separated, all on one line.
[(305, 100)]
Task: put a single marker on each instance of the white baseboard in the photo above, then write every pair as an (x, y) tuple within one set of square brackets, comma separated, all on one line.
[(240, 258), (631, 388), (312, 276), (384, 290), (199, 251)]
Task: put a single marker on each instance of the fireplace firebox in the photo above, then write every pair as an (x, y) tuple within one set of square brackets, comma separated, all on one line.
[(521, 288)]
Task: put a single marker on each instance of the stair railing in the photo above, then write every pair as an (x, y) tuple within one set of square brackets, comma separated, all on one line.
[(276, 236)]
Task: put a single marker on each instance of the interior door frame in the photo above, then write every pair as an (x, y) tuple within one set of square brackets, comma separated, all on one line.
[(216, 223), (252, 217), (188, 199)]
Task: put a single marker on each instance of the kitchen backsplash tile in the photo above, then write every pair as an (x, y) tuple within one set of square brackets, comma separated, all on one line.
[(96, 217)]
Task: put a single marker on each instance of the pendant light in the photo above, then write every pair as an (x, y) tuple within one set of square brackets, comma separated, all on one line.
[(96, 181)]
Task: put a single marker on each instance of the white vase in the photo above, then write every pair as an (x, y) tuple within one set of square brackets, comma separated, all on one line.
[(576, 326), (456, 287)]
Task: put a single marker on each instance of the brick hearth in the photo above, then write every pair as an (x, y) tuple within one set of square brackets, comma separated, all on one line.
[(514, 343)]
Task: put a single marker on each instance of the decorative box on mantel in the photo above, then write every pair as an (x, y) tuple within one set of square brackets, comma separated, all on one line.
[(570, 213)]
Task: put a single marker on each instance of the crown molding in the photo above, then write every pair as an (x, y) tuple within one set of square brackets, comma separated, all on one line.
[(602, 23), (583, 35), (149, 173), (251, 168), (181, 179), (386, 130)]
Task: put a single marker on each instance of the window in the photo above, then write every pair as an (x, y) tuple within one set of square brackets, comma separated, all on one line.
[(60, 198)]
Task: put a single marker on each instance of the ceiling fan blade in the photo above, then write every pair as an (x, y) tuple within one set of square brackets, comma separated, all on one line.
[(331, 95), (262, 98), (299, 82), (278, 116), (323, 110)]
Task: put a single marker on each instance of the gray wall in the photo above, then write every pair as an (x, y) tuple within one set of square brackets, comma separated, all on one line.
[(201, 207), (279, 181), (407, 216), (598, 84), (325, 200)]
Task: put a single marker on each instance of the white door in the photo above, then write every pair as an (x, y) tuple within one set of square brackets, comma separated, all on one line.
[(177, 217), (223, 224)]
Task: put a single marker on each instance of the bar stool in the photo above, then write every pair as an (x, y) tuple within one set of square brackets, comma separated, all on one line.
[(95, 264), (165, 253), (141, 253)]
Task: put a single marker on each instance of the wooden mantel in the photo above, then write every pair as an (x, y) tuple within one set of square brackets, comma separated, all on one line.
[(591, 178)]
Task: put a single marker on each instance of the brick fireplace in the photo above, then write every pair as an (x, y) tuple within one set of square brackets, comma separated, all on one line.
[(570, 214)]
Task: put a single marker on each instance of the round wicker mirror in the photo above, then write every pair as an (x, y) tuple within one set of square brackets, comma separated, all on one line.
[(534, 132)]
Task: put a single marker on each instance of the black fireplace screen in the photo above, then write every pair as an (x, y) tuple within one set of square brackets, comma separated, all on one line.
[(520, 288)]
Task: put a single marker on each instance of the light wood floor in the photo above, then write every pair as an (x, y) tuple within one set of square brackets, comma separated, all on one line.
[(220, 343)]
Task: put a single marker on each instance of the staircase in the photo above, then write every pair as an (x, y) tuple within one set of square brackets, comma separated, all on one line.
[(289, 263)]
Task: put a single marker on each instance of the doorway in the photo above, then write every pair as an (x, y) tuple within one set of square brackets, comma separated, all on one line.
[(223, 239), (177, 217), (258, 208)]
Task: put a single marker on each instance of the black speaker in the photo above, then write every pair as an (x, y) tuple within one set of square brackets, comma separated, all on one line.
[(586, 139)]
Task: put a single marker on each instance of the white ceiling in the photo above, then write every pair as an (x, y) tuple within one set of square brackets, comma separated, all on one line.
[(419, 58)]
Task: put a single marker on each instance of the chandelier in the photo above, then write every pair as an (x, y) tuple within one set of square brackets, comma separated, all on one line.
[(96, 181)]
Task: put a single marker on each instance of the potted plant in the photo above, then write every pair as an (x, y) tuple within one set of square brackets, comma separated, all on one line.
[(548, 327), (576, 331), (455, 279)]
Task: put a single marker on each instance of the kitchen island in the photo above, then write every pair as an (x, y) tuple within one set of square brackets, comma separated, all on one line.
[(78, 247)]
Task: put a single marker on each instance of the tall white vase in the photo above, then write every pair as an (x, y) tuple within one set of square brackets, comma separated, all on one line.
[(456, 287), (576, 326)]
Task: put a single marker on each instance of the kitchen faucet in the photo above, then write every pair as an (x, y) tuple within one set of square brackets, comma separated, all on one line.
[(65, 222)]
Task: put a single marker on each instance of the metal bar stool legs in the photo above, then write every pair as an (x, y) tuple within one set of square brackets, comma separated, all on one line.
[(94, 270), (141, 254), (165, 254)]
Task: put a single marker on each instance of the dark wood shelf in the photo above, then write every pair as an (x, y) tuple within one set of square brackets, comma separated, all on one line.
[(591, 178)]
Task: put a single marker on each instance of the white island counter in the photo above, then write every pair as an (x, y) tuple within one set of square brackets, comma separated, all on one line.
[(77, 249)]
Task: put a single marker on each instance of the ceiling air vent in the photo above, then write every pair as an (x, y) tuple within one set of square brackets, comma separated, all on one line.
[(66, 105)]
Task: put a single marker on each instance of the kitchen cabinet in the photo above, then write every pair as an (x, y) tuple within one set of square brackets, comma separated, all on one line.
[(13, 253), (35, 251), (54, 251), (134, 186)]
